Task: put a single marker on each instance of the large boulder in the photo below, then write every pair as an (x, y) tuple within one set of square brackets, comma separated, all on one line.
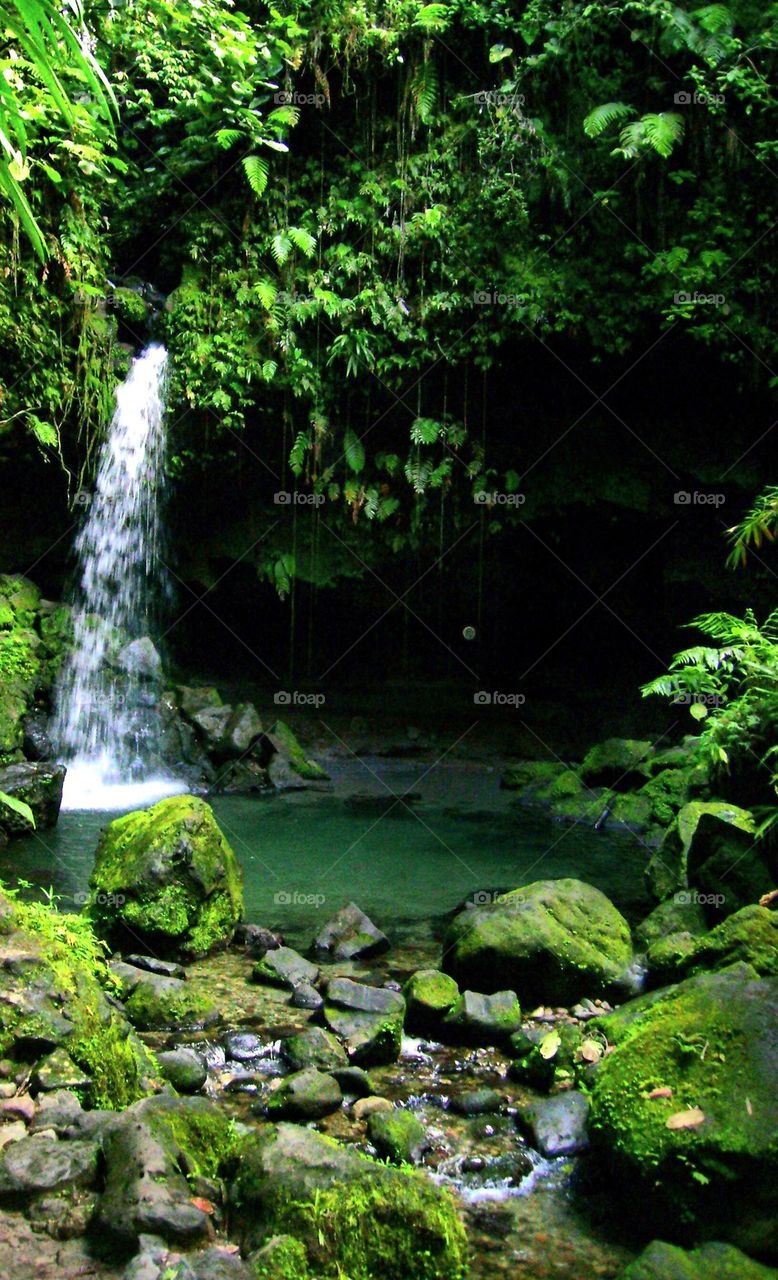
[(713, 1261), (369, 1020), (37, 785), (155, 1002), (289, 757), (51, 998), (683, 1109), (617, 763), (356, 1217), (349, 935), (696, 835), (750, 935), (166, 877), (553, 941)]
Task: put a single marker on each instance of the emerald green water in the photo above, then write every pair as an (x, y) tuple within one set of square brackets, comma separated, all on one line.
[(304, 854)]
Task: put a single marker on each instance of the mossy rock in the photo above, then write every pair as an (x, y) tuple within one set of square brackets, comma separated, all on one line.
[(680, 914), (666, 959), (617, 763), (20, 677), (429, 996), (19, 598), (51, 997), (291, 750), (553, 941), (750, 935), (704, 1158), (714, 1261), (397, 1135), (668, 869), (166, 877), (356, 1217), (282, 1258), (167, 1004), (532, 778), (666, 794)]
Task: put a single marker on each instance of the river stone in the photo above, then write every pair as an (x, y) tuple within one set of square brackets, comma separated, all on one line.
[(617, 763), (556, 1126), (429, 996), (284, 967), (211, 724), (699, 832), (256, 939), (552, 942), (193, 699), (750, 935), (163, 968), (679, 914), (368, 1019), (45, 1164), (353, 1080), (713, 1261), (305, 1095), (397, 1135), (349, 935), (483, 1019), (243, 1046), (167, 876), (39, 786), (60, 1110), (58, 1071), (304, 996), (241, 731), (154, 1003), (140, 658), (292, 754), (712, 1041), (145, 1150), (184, 1069), (477, 1102), (36, 743), (291, 1179), (314, 1047)]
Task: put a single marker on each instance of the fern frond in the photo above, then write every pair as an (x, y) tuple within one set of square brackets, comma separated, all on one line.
[(604, 116), (353, 450), (303, 240), (255, 169), (662, 130), (424, 91), (227, 138)]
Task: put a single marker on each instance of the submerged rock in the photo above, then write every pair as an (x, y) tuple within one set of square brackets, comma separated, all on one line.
[(349, 935), (291, 1180), (684, 1106), (552, 941), (167, 876), (368, 1019)]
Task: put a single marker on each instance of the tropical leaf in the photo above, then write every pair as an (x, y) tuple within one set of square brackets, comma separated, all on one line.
[(353, 450), (425, 431), (424, 91), (662, 131), (303, 240), (227, 138), (18, 806), (298, 451), (604, 116), (432, 17), (256, 170)]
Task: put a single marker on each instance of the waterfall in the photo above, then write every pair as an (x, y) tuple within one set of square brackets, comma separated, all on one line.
[(106, 724)]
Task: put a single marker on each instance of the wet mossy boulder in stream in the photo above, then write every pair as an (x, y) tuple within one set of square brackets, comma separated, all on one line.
[(429, 996), (680, 914), (37, 785), (356, 1217), (713, 1261), (617, 763), (704, 829), (166, 877), (683, 1109), (52, 999), (368, 1020), (553, 941), (289, 754), (750, 936)]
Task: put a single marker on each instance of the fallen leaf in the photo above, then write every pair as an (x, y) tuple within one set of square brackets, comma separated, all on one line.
[(767, 899), (688, 1119), (549, 1045), (664, 1092), (591, 1051), (749, 1108), (204, 1206)]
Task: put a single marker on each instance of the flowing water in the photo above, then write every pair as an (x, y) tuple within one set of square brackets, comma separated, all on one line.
[(105, 725)]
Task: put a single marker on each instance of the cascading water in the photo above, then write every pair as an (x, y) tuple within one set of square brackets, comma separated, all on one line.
[(106, 725)]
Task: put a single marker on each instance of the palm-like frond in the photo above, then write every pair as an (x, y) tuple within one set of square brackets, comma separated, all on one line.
[(604, 116)]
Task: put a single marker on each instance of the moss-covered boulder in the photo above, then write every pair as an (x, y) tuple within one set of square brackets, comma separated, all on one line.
[(282, 1258), (51, 997), (356, 1217), (672, 865), (397, 1135), (289, 753), (37, 785), (305, 1095), (683, 1110), (553, 941), (483, 1019), (166, 877), (617, 763), (429, 996), (680, 914), (713, 1261), (750, 935)]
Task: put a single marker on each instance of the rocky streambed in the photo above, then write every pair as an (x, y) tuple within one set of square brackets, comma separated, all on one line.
[(533, 1094)]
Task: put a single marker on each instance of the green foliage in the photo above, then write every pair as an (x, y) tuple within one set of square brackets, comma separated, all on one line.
[(758, 527), (19, 807)]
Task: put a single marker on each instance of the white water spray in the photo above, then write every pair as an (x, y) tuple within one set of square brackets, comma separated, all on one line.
[(106, 725)]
